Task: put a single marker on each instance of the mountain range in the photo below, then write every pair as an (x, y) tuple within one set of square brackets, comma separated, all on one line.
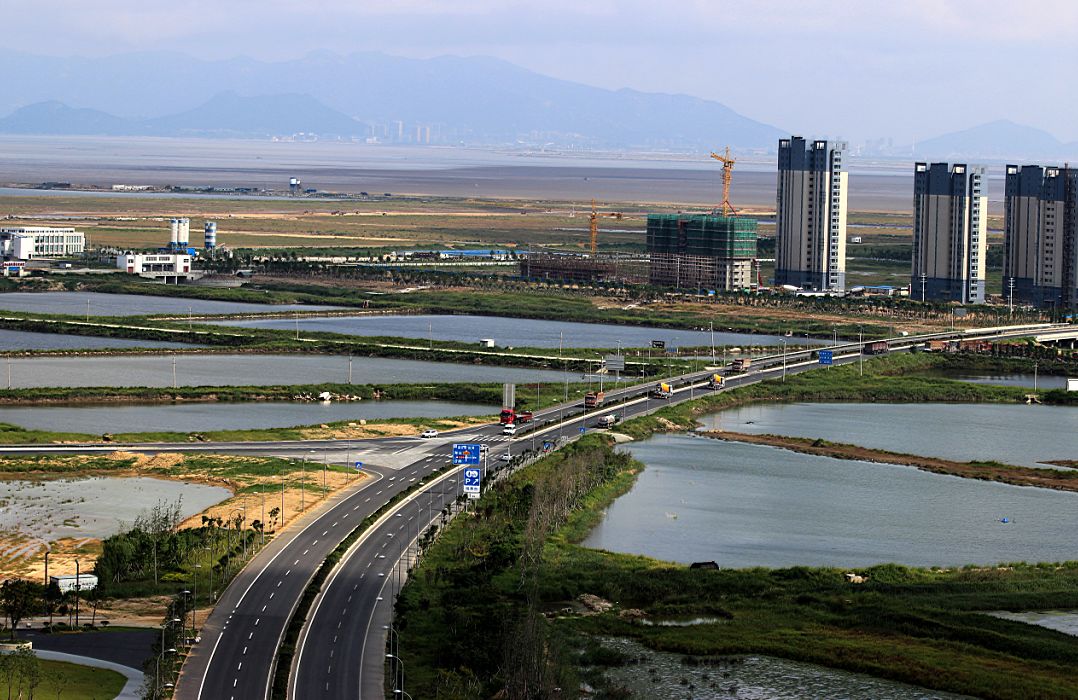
[(998, 140), (448, 100)]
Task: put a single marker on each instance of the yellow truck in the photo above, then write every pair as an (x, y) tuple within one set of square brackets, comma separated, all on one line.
[(661, 391), (716, 382)]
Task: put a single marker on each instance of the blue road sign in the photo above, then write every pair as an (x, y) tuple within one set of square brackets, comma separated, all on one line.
[(466, 453), (471, 480), (359, 465), (827, 357), (583, 430)]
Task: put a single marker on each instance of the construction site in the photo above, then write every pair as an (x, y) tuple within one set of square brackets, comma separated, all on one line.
[(713, 251)]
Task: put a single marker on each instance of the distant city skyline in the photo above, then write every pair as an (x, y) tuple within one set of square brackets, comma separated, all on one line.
[(826, 69)]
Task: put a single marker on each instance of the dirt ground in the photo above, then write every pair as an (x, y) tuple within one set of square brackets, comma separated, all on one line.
[(24, 556), (1020, 476)]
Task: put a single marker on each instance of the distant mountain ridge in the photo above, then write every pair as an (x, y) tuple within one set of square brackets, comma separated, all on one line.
[(998, 140), (447, 100), (224, 115)]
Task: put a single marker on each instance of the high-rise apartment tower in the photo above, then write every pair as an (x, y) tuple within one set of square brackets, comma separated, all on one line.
[(1040, 242), (950, 232), (810, 231)]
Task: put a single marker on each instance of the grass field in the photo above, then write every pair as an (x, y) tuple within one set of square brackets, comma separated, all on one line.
[(496, 604), (64, 681)]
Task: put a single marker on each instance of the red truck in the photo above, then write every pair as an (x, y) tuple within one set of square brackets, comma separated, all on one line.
[(513, 417), (594, 399), (878, 347)]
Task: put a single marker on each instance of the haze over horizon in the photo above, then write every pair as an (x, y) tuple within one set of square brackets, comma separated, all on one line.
[(908, 71)]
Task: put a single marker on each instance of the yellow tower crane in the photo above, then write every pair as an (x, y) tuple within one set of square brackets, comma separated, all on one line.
[(595, 216), (727, 176)]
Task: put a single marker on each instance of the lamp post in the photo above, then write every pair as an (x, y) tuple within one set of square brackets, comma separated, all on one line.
[(194, 599), (400, 665), (711, 327), (783, 359), (861, 350)]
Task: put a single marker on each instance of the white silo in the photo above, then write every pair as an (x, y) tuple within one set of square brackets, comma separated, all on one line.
[(174, 232), (184, 233), (210, 233)]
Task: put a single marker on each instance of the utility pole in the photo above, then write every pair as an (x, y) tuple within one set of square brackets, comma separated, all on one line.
[(711, 326), (1010, 303), (924, 278), (861, 349), (173, 371), (349, 368)]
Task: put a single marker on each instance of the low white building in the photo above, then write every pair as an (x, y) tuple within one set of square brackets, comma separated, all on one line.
[(32, 242), (167, 267), (82, 582)]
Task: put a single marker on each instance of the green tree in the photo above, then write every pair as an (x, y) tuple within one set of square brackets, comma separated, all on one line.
[(20, 598)]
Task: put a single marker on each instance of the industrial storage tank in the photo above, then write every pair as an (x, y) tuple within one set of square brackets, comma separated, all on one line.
[(184, 233), (174, 232), (210, 232)]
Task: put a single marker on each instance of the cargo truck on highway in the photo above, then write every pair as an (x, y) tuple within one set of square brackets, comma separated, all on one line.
[(512, 417), (878, 347), (608, 421), (741, 364), (661, 391), (594, 399), (716, 382)]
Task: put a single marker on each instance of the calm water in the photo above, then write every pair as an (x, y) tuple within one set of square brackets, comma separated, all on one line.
[(749, 678), (1040, 381), (132, 304), (1065, 621), (256, 370), (454, 172), (94, 507), (1009, 433), (751, 505), (223, 416), (28, 340), (512, 331)]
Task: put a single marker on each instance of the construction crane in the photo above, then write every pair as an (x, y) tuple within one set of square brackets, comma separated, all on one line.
[(595, 215), (727, 176)]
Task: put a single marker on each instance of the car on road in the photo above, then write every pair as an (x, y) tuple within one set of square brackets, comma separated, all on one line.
[(509, 430), (506, 457), (430, 433)]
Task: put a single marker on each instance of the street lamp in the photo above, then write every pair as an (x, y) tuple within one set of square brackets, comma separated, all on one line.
[(861, 350), (400, 664), (783, 359)]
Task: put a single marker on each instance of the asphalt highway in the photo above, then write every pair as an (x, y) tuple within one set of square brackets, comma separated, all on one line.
[(341, 652)]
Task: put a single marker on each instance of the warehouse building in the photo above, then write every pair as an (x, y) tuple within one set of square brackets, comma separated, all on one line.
[(33, 242), (701, 251), (163, 267)]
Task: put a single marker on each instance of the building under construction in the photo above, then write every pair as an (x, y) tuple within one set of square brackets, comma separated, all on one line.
[(574, 267), (701, 251)]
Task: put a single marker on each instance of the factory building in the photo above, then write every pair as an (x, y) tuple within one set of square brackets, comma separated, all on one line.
[(78, 582), (701, 251), (1040, 243), (810, 226), (163, 267), (950, 233), (33, 242)]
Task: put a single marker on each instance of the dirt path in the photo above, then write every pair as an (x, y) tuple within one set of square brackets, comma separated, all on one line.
[(1058, 479)]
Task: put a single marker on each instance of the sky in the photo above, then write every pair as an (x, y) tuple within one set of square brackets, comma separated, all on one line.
[(855, 69)]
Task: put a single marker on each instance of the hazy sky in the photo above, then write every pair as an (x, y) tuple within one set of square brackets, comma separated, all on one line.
[(851, 68)]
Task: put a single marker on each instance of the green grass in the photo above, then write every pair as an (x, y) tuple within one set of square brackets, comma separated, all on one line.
[(73, 682), (466, 604)]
